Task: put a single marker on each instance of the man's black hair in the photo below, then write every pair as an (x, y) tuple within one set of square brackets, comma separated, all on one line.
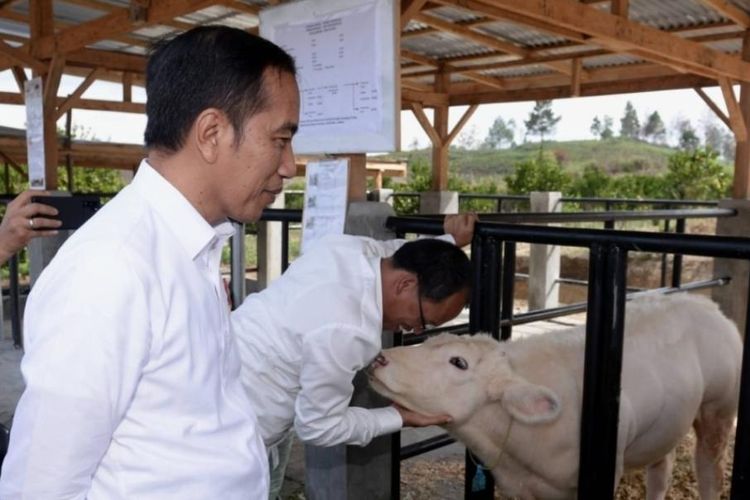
[(441, 267), (207, 67)]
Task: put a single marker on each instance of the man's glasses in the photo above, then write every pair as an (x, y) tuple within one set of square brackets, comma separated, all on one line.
[(425, 324), (421, 313)]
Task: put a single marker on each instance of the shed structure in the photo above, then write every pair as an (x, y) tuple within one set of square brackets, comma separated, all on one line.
[(453, 52)]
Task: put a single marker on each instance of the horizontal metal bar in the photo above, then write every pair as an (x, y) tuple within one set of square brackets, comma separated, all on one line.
[(566, 310), (418, 338), (281, 215), (731, 247), (425, 446), (575, 217)]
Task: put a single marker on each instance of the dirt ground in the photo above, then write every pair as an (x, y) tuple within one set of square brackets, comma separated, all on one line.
[(443, 479)]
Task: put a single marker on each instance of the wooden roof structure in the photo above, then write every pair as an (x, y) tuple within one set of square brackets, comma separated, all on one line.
[(453, 52)]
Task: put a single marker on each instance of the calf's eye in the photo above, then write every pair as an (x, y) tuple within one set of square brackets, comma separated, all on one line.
[(459, 362)]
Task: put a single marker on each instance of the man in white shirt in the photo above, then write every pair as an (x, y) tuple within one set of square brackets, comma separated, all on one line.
[(132, 377), (302, 339)]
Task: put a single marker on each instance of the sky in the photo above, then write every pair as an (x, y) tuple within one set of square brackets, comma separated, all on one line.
[(577, 114)]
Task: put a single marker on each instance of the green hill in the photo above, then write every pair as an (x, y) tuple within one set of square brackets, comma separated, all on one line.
[(615, 156)]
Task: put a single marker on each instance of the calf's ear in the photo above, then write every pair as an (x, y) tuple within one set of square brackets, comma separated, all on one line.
[(530, 403)]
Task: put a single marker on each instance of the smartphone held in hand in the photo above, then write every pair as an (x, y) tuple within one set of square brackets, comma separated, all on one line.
[(73, 211)]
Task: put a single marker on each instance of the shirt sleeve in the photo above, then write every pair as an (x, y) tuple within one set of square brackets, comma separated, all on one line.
[(87, 333), (331, 357)]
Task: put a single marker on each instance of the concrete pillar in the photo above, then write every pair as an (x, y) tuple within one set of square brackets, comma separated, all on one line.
[(367, 218), (732, 298), (42, 250), (353, 472), (438, 202), (544, 260), (269, 248)]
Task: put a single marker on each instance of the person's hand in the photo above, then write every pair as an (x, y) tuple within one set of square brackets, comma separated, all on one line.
[(414, 419), (25, 220), (461, 227)]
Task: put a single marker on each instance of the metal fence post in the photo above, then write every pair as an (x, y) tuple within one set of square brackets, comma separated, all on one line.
[(741, 467), (601, 384)]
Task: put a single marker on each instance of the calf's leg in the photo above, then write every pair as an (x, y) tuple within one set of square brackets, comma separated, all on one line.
[(712, 432), (659, 477)]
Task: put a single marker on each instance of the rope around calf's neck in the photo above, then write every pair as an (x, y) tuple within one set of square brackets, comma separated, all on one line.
[(499, 456)]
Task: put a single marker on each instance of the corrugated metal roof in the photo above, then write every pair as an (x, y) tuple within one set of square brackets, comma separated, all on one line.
[(522, 35), (443, 45), (672, 14), (686, 18)]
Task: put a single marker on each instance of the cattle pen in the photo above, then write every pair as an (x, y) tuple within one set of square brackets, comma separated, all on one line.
[(493, 251)]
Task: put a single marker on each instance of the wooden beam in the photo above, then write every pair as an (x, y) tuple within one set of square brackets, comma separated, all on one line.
[(409, 9), (534, 59), (127, 87), (139, 11), (551, 53), (14, 164), (472, 75), (75, 97), (738, 125), (741, 183), (500, 14), (52, 80), (90, 104), (243, 7), (115, 23), (620, 7), (425, 123), (627, 73), (20, 76), (41, 25), (616, 32), (464, 118), (575, 77), (19, 56), (670, 82), (117, 61), (419, 87), (730, 11), (440, 150), (431, 99), (716, 109)]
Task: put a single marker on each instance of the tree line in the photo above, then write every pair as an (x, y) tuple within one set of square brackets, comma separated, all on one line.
[(542, 122)]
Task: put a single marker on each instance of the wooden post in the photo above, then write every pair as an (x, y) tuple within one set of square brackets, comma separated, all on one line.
[(440, 124), (741, 186), (357, 177)]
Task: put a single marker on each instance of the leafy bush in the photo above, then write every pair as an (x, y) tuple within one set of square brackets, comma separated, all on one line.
[(697, 175), (593, 182), (537, 174)]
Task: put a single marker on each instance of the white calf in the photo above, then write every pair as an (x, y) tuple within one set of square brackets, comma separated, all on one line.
[(517, 404)]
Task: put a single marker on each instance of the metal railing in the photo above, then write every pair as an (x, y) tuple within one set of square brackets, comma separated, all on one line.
[(506, 202), (494, 243)]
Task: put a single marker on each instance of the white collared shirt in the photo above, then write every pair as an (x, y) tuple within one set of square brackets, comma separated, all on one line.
[(302, 340), (132, 378)]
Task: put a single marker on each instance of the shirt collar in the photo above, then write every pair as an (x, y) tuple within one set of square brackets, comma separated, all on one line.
[(193, 232)]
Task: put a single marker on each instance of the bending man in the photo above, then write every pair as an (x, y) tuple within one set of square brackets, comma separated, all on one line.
[(303, 338)]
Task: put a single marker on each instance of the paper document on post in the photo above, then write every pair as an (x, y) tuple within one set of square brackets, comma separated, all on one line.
[(325, 200)]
